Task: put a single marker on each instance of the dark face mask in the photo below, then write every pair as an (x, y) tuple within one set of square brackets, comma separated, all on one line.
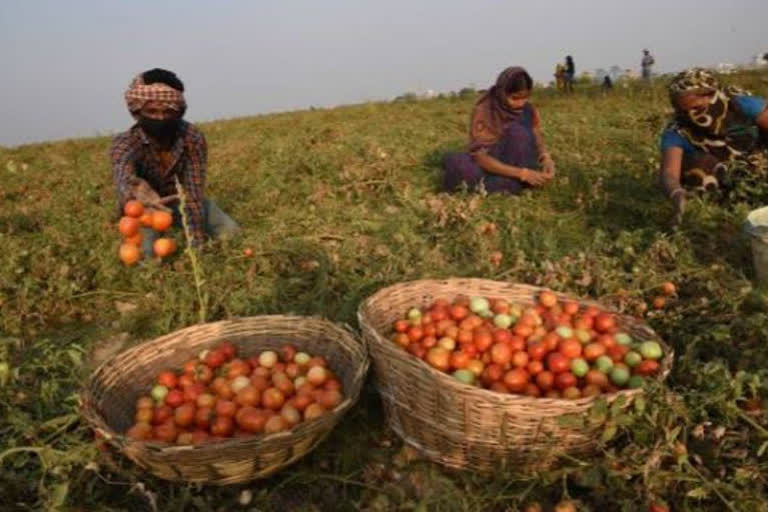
[(160, 128)]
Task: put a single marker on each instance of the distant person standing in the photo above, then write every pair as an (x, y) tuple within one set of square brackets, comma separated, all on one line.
[(560, 76), (646, 64), (570, 74), (607, 84)]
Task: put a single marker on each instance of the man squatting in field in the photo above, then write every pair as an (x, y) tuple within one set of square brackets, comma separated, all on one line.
[(157, 149)]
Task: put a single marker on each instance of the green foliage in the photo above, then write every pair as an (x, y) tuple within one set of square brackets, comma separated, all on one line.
[(338, 203)]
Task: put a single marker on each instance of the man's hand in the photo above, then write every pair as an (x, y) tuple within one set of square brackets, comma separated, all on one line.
[(143, 192)]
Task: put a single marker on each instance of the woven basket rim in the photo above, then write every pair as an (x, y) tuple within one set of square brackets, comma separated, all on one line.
[(98, 423), (513, 399)]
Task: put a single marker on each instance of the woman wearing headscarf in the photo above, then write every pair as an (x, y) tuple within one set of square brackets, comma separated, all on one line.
[(506, 150), (716, 140)]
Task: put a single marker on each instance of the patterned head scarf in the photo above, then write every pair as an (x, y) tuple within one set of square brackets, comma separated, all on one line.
[(139, 93), (492, 112)]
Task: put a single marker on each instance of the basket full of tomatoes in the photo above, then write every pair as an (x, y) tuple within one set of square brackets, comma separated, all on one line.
[(480, 374), (230, 401)]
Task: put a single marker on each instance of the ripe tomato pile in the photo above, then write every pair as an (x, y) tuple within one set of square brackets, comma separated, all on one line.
[(554, 349), (134, 217), (218, 395)]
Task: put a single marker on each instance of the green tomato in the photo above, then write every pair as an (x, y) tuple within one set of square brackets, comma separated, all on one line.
[(635, 382), (478, 304), (604, 364), (465, 376), (486, 313), (650, 350), (158, 393), (414, 314), (619, 375), (579, 367), (583, 335), (564, 332), (632, 359), (623, 338), (502, 320), (515, 312)]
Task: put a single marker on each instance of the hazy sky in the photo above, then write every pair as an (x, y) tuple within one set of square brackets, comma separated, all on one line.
[(64, 64)]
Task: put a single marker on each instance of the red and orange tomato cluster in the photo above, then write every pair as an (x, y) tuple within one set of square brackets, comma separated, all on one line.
[(554, 349), (134, 217), (218, 395)]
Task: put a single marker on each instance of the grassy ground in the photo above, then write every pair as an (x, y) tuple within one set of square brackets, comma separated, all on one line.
[(339, 203)]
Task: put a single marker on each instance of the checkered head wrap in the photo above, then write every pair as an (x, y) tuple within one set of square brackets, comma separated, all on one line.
[(139, 93)]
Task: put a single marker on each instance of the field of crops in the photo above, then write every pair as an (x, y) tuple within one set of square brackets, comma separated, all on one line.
[(336, 204)]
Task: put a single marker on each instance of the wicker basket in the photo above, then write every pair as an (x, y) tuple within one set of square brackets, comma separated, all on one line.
[(463, 426), (110, 394)]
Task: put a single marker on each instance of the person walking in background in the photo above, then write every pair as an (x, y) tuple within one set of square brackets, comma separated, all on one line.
[(560, 76), (506, 150), (716, 140), (570, 74), (646, 64)]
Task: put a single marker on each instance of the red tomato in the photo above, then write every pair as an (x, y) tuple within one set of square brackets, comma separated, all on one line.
[(500, 306), (516, 380), (214, 359), (596, 378), (162, 414), (501, 354), (501, 335), (522, 330), (430, 330), (251, 419), (547, 299), (228, 349), (565, 380), (402, 339), (593, 350), (537, 351), (439, 358), (482, 339), (193, 391), (426, 318), (189, 366), (460, 359), (236, 368), (591, 311), (535, 367), (545, 380), (520, 359), (570, 348), (571, 307), (417, 350), (584, 322), (225, 408), (551, 340), (249, 395), (174, 398), (203, 417), (606, 340), (516, 343), (439, 314), (415, 333), (185, 380), (463, 336), (492, 373), (647, 367), (165, 432), (604, 322), (402, 325), (184, 415), (470, 350), (617, 352), (167, 379), (459, 312), (441, 302), (428, 341), (222, 426), (557, 363)]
